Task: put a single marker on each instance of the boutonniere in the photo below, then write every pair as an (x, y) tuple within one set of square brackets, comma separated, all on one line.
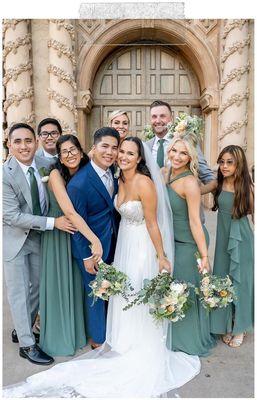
[(116, 172), (44, 173)]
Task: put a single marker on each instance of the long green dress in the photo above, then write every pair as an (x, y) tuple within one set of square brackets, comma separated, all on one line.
[(62, 326), (192, 334), (234, 257)]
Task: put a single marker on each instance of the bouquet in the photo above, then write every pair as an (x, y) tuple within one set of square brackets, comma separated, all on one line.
[(214, 291), (185, 124), (167, 298), (109, 282)]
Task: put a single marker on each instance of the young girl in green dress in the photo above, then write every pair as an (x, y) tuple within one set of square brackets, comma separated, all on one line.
[(233, 199)]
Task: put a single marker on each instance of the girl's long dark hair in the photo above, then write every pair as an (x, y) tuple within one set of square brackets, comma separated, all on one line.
[(64, 171), (141, 166), (243, 185)]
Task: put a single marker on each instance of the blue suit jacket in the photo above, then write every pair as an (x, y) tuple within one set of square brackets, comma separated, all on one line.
[(93, 203)]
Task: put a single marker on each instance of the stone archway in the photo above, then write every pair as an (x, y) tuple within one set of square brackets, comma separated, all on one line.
[(173, 32)]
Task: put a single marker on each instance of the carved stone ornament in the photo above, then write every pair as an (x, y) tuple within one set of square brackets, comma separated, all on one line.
[(85, 100), (234, 99), (236, 73), (11, 23), (65, 127), (14, 45), (62, 75), (208, 101), (207, 24), (236, 23), (17, 98), (237, 46), (234, 127), (62, 23), (62, 101), (62, 50), (13, 73)]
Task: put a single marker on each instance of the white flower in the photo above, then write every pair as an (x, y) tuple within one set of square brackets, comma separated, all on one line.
[(45, 179), (177, 287), (181, 126)]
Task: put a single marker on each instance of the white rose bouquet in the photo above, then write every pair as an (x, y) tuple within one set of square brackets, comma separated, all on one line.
[(167, 298), (214, 291), (109, 282)]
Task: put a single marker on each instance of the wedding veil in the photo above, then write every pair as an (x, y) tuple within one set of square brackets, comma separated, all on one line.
[(164, 213)]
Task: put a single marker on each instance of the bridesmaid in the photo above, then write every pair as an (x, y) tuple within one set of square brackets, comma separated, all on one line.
[(61, 287), (234, 245), (192, 334), (119, 120)]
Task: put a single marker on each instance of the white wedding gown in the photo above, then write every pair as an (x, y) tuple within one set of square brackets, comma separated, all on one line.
[(134, 360)]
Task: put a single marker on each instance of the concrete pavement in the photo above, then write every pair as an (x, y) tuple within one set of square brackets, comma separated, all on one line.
[(226, 373)]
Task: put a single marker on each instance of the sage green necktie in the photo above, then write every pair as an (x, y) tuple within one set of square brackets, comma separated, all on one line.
[(160, 153), (34, 192)]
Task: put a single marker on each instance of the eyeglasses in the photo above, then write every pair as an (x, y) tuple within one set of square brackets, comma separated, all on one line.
[(65, 153), (229, 163), (53, 134)]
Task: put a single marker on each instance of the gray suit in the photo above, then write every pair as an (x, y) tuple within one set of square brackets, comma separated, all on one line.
[(21, 248), (40, 153)]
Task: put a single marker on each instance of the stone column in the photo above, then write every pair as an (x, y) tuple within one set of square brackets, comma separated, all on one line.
[(61, 74), (235, 65), (17, 79)]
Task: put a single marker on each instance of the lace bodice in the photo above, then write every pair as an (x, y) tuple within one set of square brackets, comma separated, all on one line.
[(131, 212)]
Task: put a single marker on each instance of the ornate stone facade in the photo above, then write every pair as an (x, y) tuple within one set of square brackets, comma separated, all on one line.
[(51, 68)]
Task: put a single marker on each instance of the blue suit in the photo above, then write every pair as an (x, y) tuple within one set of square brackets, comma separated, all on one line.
[(93, 203)]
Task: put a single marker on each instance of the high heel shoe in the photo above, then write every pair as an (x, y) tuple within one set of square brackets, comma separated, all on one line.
[(237, 341)]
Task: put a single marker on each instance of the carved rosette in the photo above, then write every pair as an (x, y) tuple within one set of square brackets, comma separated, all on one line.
[(234, 90), (17, 77), (62, 86)]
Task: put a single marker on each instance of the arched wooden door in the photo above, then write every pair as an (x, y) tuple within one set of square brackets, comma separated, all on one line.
[(133, 77)]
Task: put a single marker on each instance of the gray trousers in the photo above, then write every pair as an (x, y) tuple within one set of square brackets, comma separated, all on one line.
[(22, 284)]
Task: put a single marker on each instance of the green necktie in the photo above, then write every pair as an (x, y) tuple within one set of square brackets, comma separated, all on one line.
[(34, 192), (160, 153)]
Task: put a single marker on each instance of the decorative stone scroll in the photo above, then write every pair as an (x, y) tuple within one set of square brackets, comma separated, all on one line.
[(61, 75), (62, 50), (14, 45), (234, 127), (13, 73), (19, 92), (62, 101), (61, 23), (235, 66), (236, 73), (234, 99)]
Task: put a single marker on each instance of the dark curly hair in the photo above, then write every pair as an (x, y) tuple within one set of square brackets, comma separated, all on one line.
[(141, 166), (64, 171)]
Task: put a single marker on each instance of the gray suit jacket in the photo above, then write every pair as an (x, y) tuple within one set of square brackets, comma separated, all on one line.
[(205, 173), (40, 153), (18, 216)]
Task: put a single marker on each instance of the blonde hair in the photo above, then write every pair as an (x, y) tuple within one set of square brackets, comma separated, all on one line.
[(117, 113), (190, 140)]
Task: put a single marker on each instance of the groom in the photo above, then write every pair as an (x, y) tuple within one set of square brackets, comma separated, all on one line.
[(92, 192)]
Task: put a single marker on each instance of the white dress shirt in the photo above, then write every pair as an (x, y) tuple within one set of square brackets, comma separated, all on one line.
[(42, 199), (48, 155), (156, 146), (105, 176)]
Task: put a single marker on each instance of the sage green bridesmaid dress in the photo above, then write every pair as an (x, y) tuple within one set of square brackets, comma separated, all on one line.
[(62, 326), (234, 256), (192, 334)]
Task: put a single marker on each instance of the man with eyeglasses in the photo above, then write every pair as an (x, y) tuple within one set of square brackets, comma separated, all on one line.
[(49, 130)]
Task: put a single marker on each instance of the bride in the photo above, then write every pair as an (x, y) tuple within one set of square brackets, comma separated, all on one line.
[(134, 360)]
